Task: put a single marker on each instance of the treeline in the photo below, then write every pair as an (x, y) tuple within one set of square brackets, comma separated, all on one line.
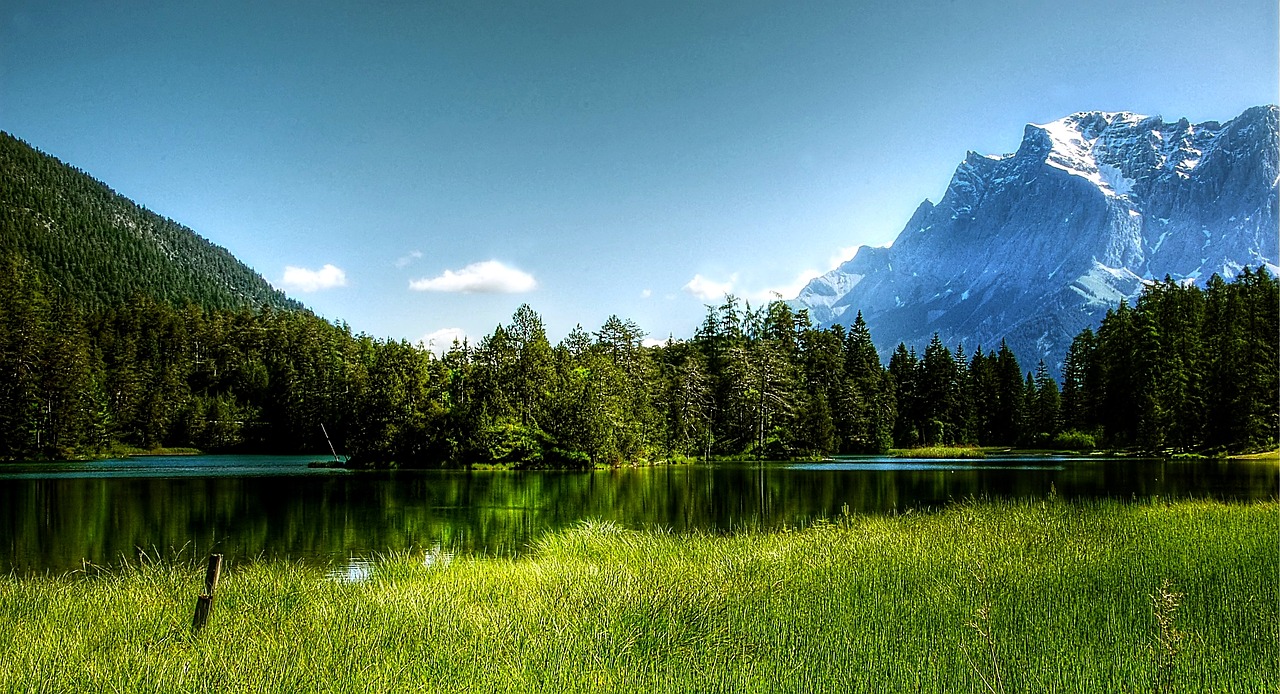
[(1185, 368)]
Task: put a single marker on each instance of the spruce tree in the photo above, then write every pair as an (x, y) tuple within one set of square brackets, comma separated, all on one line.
[(1008, 401), (904, 368)]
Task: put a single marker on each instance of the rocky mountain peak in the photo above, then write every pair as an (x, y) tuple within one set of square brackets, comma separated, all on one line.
[(1033, 246)]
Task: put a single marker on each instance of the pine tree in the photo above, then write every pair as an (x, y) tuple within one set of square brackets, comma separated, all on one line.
[(1078, 409), (904, 371), (938, 387), (822, 369), (1008, 399), (24, 316), (865, 400), (1047, 408), (686, 400), (982, 395)]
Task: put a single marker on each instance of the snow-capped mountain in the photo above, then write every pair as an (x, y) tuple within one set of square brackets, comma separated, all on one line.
[(1034, 246)]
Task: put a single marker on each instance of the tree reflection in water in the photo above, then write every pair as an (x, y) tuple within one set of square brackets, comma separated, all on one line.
[(56, 521)]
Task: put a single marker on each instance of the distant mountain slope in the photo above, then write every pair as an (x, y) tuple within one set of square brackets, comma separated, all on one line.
[(100, 248), (1034, 246)]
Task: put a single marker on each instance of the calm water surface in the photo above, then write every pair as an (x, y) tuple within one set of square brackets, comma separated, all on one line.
[(56, 516)]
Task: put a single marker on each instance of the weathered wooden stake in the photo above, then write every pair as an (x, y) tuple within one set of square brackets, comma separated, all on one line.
[(205, 602)]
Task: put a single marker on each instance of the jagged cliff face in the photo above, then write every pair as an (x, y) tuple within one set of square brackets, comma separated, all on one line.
[(1034, 246)]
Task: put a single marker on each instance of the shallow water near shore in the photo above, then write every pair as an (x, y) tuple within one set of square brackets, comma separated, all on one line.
[(59, 516)]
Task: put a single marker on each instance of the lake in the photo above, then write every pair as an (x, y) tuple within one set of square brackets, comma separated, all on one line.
[(57, 516)]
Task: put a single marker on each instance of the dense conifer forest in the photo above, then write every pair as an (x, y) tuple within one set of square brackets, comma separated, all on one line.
[(1185, 369), (123, 329), (101, 249)]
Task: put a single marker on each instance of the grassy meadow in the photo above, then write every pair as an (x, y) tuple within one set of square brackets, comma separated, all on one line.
[(981, 597)]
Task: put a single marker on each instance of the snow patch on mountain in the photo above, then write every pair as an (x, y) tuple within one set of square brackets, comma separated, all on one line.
[(1114, 180), (1031, 247)]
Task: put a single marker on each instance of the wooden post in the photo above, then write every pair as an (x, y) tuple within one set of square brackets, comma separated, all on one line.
[(205, 602)]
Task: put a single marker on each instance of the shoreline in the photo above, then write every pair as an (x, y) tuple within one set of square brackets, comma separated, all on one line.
[(920, 602)]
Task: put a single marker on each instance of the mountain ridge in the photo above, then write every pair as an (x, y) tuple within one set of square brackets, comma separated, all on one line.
[(100, 248), (1033, 246)]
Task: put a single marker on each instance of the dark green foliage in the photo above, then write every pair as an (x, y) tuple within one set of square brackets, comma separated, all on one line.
[(24, 323), (686, 399), (1239, 338), (1184, 369), (1044, 407), (118, 326), (991, 398), (1007, 399), (815, 432), (943, 414), (1073, 441), (99, 249), (865, 401), (1078, 407), (904, 373)]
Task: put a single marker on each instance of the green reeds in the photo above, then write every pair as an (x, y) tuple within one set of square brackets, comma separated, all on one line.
[(940, 452), (980, 597)]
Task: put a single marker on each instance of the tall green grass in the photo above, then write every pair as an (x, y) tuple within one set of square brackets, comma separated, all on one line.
[(981, 597), (940, 452)]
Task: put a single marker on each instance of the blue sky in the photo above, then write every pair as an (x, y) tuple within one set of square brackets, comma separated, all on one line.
[(415, 167)]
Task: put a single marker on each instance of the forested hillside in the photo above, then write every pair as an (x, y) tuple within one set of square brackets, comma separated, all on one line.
[(100, 249), (1185, 369)]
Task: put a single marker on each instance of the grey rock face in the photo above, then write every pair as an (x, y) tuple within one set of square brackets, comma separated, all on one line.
[(1034, 246)]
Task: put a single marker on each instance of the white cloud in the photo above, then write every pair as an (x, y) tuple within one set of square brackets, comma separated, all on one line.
[(304, 280), (789, 290), (654, 342), (840, 257), (646, 294), (785, 291), (405, 260), (710, 290), (441, 340), (487, 277)]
